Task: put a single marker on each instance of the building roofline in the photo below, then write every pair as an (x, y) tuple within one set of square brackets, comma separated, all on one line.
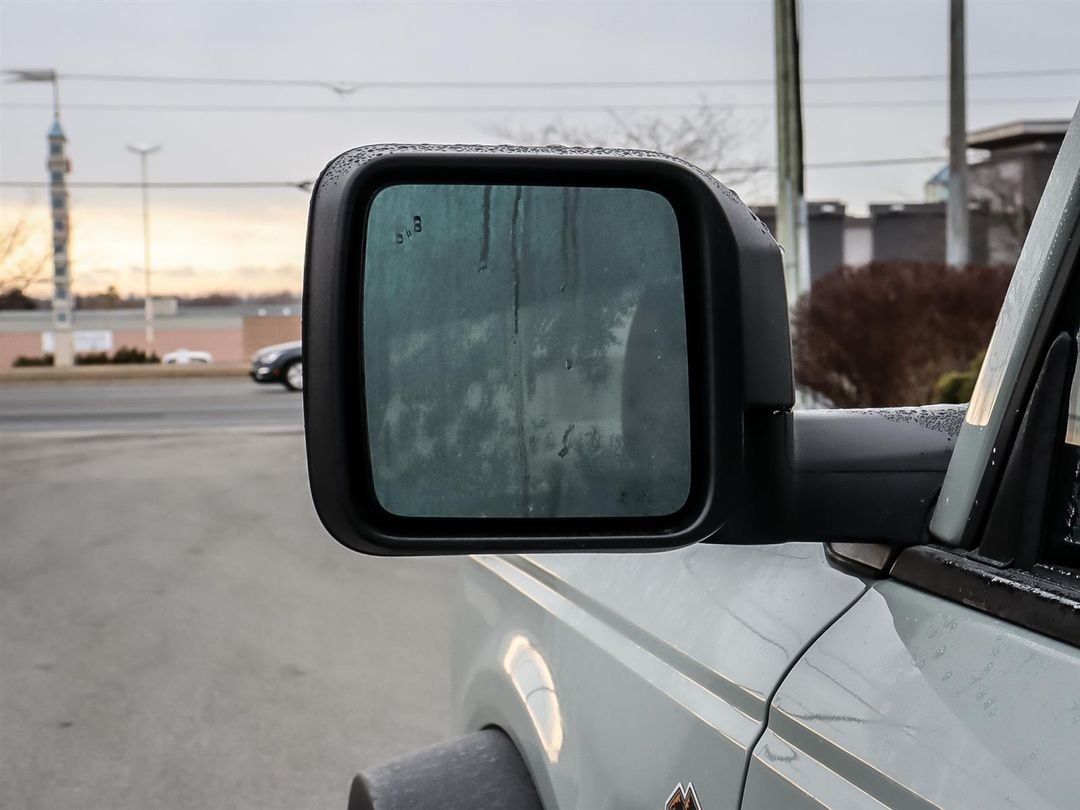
[(1017, 132)]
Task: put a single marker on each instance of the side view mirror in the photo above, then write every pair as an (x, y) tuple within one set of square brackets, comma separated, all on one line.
[(544, 349)]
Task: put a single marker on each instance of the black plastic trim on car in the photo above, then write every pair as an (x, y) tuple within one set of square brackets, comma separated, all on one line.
[(1036, 599), (1018, 518), (871, 560), (478, 770)]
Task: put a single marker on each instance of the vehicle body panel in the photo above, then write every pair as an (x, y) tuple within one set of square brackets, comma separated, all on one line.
[(913, 701), (619, 676)]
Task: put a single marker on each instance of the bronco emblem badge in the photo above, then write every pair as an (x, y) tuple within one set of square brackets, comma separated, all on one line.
[(683, 799)]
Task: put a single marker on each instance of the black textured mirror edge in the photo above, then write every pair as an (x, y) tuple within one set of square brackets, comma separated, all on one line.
[(338, 454)]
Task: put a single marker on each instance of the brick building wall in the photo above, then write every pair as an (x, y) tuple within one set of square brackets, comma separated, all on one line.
[(266, 330), (230, 334)]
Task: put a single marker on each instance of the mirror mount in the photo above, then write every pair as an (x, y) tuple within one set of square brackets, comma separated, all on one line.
[(759, 472), (858, 476)]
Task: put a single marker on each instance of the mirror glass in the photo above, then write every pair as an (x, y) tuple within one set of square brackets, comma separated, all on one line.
[(525, 352)]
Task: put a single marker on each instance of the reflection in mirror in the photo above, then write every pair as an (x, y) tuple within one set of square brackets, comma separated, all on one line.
[(525, 352)]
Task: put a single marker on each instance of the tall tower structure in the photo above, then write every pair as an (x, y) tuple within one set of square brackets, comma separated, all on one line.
[(62, 308)]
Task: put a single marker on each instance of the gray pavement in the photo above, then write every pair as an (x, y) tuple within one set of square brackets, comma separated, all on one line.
[(146, 405), (176, 629)]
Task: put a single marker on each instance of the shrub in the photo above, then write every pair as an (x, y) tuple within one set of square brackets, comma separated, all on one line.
[(882, 334), (22, 361), (958, 386), (123, 355), (129, 354), (92, 359)]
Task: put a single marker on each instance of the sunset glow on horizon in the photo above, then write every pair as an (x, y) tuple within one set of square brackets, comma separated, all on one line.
[(197, 248)]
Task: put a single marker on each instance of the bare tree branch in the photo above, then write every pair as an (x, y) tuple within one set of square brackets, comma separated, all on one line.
[(1000, 188), (707, 136), (23, 261)]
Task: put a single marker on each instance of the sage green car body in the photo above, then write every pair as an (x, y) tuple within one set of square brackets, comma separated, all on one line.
[(621, 676)]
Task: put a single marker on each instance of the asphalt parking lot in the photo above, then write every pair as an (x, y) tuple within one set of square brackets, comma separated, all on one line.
[(176, 629)]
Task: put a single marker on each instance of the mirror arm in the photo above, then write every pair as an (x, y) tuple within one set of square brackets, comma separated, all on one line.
[(855, 476)]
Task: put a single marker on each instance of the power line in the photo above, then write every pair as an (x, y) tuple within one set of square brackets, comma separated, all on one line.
[(866, 163), (872, 162), (302, 185), (937, 77), (305, 185), (348, 87), (499, 108)]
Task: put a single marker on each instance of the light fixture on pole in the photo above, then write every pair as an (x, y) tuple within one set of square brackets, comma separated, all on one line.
[(144, 151)]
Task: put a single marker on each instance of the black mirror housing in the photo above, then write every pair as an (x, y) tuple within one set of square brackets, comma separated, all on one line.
[(738, 356)]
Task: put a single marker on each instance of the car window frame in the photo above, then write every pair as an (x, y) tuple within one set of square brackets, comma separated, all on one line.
[(1014, 358), (1025, 579)]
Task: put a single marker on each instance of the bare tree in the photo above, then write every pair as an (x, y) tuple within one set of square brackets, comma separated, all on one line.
[(999, 187), (709, 137), (23, 263)]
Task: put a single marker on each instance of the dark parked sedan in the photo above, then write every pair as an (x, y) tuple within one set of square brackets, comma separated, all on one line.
[(281, 363)]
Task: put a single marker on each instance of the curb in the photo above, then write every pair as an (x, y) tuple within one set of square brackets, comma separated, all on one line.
[(122, 372)]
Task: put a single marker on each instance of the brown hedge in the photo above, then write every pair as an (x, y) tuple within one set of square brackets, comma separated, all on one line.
[(882, 334)]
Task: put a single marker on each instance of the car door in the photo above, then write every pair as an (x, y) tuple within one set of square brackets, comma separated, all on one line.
[(620, 677), (914, 700), (954, 681)]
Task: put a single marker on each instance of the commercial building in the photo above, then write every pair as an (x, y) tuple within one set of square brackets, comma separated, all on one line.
[(1006, 180), (229, 333)]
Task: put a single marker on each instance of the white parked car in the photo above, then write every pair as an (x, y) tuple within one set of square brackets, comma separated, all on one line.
[(185, 357)]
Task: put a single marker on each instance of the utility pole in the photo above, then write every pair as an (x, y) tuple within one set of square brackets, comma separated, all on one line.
[(58, 166), (144, 151), (958, 232), (791, 218)]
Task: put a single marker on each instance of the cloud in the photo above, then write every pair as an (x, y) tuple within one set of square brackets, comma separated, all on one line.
[(196, 248), (284, 271), (178, 272)]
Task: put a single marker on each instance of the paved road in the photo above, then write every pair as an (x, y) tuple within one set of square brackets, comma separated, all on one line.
[(176, 629), (146, 405)]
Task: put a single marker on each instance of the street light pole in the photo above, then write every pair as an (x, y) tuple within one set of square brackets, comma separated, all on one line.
[(144, 151)]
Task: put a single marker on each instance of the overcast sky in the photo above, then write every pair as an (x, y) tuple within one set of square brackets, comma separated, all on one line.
[(253, 239)]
